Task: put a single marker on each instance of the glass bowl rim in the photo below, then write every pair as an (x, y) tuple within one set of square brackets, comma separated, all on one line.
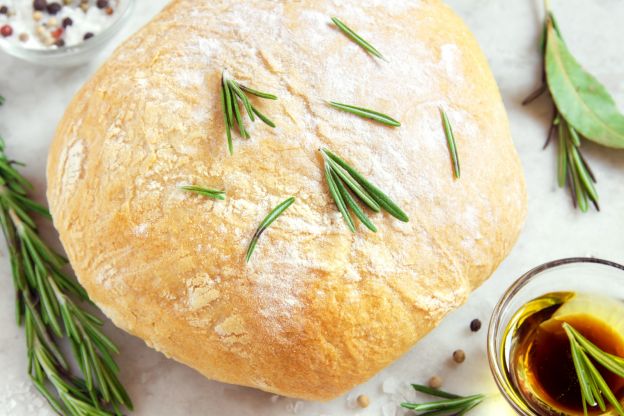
[(510, 293), (97, 41)]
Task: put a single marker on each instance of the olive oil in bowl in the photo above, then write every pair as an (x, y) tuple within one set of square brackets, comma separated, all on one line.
[(540, 361)]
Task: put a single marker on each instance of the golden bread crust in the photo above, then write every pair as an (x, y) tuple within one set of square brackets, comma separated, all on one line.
[(318, 309)]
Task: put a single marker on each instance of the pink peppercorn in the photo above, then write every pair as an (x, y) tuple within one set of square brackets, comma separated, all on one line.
[(6, 31), (58, 33)]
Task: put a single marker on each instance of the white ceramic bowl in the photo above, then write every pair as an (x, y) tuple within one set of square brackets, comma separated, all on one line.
[(71, 55)]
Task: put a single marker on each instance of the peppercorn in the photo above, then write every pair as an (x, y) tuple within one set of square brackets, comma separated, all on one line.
[(54, 8), (23, 37), (459, 356), (475, 325), (87, 36), (102, 4), (67, 22), (40, 5), (58, 33), (6, 31), (435, 382), (363, 401), (60, 43), (4, 10), (37, 16), (109, 11)]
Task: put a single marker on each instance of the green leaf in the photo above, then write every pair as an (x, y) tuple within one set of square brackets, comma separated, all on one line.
[(562, 157), (268, 220), (346, 196), (603, 386), (338, 199), (262, 117), (434, 392), (366, 113), (610, 362), (445, 405), (581, 369), (357, 38), (210, 193), (257, 93), (381, 198), (582, 100), (226, 107), (452, 145), (352, 184), (237, 91)]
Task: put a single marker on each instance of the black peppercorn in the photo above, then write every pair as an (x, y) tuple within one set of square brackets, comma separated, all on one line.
[(67, 22), (60, 43), (102, 4), (475, 325), (4, 10), (40, 5), (54, 8), (88, 35)]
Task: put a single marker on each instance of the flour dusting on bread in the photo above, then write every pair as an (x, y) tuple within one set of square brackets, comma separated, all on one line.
[(318, 309)]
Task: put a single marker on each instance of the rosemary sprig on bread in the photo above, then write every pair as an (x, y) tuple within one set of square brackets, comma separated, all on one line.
[(232, 95), (342, 179), (47, 304)]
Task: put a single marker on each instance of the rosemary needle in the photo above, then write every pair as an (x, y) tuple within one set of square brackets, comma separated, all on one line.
[(357, 38), (210, 193), (268, 220), (338, 198), (450, 138), (366, 113)]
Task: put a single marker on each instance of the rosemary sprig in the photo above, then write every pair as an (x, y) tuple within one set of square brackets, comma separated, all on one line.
[(2, 100), (231, 94), (594, 388), (266, 222), (342, 179), (357, 38), (451, 404), (210, 193), (450, 139), (582, 109), (45, 305), (366, 113)]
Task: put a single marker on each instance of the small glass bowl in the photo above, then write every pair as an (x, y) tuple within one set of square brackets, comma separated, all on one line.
[(79, 54), (567, 275)]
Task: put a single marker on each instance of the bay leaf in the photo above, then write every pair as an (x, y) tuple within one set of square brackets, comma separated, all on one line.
[(582, 100)]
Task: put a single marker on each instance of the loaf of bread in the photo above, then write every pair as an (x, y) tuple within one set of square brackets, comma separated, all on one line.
[(318, 309)]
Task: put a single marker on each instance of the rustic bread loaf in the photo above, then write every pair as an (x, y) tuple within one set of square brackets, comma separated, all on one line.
[(318, 309)]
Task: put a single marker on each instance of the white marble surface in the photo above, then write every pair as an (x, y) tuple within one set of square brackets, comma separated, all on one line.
[(508, 31)]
